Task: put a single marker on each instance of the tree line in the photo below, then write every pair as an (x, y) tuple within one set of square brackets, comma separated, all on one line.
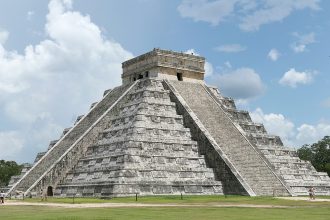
[(318, 154), (7, 170)]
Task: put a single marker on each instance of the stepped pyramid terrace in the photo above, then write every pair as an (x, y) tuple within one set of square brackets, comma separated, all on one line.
[(164, 131)]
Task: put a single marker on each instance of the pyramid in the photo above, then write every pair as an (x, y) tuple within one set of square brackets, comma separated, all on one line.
[(163, 132)]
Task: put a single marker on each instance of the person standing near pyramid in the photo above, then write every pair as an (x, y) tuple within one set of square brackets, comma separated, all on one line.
[(2, 197), (311, 192)]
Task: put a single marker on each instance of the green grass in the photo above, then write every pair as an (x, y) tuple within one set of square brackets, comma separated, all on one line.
[(293, 209), (48, 213)]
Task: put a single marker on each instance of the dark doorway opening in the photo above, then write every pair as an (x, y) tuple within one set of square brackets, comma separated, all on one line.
[(179, 76), (140, 76), (50, 191)]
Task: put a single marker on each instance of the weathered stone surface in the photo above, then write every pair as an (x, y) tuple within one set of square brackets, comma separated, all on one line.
[(144, 149), (258, 178)]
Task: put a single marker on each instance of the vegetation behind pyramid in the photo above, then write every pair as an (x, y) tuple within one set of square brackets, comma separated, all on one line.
[(165, 132)]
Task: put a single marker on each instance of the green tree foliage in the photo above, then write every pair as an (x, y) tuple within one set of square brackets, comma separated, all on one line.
[(318, 154), (8, 169)]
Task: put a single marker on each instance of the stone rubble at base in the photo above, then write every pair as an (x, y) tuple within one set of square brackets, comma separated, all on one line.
[(165, 132)]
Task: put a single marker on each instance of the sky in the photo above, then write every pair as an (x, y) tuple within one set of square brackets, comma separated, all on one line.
[(58, 56)]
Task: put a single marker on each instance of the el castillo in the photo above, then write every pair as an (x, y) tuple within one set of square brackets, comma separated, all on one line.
[(164, 131)]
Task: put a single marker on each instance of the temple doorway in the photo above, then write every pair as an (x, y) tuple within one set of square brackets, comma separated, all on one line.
[(50, 191)]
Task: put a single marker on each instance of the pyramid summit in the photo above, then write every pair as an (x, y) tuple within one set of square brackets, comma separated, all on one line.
[(164, 131)]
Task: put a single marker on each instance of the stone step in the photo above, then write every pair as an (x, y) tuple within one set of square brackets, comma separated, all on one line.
[(227, 102), (65, 130), (138, 95), (131, 106), (141, 172), (155, 123), (106, 92), (157, 188), (250, 127), (265, 139), (231, 141), (146, 140), (39, 156), (239, 115), (78, 119), (141, 115), (170, 152), (146, 104), (52, 143), (92, 105)]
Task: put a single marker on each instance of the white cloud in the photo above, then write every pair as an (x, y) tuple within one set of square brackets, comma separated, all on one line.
[(290, 134), (298, 48), (207, 66), (274, 11), (230, 48), (292, 78), (213, 12), (3, 37), (57, 78), (275, 124), (10, 144), (242, 84), (312, 133), (251, 13), (208, 69), (274, 54), (302, 42)]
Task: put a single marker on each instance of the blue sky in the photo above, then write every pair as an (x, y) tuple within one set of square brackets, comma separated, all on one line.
[(57, 57)]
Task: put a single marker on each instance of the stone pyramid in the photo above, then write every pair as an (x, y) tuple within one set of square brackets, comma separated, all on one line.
[(164, 131)]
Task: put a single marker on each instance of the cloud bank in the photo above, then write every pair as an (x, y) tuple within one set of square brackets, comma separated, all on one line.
[(46, 87), (243, 84), (273, 54), (291, 135), (303, 40), (230, 48), (293, 78), (252, 14)]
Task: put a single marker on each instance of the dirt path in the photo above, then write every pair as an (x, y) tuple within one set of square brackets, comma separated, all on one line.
[(123, 205), (304, 199)]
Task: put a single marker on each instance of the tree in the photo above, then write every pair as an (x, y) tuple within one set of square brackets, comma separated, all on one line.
[(7, 170), (318, 154), (305, 152)]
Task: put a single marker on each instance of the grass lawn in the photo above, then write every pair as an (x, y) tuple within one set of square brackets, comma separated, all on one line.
[(294, 209), (38, 212)]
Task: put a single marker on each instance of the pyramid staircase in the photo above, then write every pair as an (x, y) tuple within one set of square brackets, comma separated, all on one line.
[(298, 174), (254, 172), (144, 149)]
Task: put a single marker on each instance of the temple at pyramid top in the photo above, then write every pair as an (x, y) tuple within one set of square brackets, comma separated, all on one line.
[(164, 64)]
